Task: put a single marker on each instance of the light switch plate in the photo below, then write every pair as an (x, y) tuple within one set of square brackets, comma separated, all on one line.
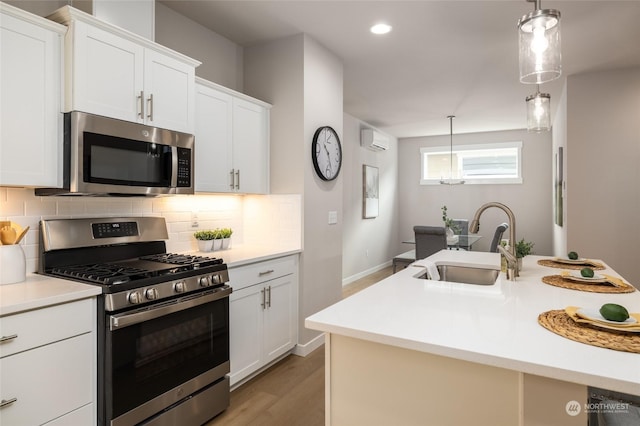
[(333, 217)]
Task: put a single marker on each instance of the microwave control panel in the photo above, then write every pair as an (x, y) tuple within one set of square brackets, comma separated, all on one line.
[(184, 167)]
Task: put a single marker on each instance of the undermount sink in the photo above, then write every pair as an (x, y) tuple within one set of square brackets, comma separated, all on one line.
[(465, 274)]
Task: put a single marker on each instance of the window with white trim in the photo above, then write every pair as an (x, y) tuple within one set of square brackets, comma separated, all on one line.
[(475, 164)]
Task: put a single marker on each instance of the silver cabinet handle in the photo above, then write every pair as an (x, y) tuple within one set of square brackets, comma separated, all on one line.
[(6, 402), (238, 179), (141, 98), (263, 303), (232, 174), (8, 338), (269, 271), (269, 297), (150, 100)]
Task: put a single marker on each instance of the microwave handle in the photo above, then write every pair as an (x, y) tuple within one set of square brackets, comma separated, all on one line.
[(174, 166)]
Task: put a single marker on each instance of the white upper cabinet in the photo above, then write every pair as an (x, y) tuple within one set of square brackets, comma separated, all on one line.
[(31, 94), (232, 141), (118, 74), (214, 144), (251, 147)]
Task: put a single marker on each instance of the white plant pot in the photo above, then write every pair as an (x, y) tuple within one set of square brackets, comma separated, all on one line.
[(217, 244), (205, 245), (226, 243)]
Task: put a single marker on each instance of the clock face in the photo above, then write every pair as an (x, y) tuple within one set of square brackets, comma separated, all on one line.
[(326, 153)]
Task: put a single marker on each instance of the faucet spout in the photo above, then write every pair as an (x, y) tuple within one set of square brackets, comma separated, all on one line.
[(474, 227)]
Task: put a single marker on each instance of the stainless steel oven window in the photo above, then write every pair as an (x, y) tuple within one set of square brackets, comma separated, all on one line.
[(147, 359)]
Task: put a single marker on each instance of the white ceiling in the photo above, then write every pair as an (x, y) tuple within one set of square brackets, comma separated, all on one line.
[(442, 57)]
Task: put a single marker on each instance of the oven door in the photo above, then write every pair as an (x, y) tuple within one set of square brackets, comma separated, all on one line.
[(159, 355)]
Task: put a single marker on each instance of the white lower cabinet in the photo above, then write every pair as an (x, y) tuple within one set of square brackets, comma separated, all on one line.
[(51, 380), (263, 314)]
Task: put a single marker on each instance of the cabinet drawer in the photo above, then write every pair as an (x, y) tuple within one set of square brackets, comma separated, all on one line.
[(245, 276), (41, 326), (47, 382), (84, 416)]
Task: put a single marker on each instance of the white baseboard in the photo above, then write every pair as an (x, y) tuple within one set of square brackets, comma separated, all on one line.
[(352, 278), (307, 348)]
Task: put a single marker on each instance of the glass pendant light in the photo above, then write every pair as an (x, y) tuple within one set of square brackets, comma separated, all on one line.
[(539, 45), (451, 181), (539, 112)]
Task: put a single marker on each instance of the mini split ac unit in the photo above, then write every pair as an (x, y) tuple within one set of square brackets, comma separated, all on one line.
[(374, 140)]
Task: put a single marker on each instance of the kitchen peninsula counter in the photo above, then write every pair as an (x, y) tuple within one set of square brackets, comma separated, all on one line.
[(478, 330)]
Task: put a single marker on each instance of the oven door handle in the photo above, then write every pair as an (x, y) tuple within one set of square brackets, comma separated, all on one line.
[(126, 319)]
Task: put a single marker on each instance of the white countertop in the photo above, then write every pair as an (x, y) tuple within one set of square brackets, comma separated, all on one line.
[(493, 325), (244, 254), (39, 291)]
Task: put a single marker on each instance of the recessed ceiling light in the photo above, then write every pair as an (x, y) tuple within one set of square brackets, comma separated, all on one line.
[(380, 28)]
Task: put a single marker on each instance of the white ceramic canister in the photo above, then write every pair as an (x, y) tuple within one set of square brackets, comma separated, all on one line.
[(13, 264)]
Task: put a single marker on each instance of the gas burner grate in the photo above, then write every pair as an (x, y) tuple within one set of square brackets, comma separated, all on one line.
[(183, 259), (101, 273)]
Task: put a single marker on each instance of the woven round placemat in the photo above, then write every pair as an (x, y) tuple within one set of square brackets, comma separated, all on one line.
[(560, 323), (553, 264), (559, 281)]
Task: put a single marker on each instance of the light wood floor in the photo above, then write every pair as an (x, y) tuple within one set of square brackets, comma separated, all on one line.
[(291, 393)]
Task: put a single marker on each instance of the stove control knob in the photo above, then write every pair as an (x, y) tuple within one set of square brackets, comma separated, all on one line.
[(151, 294), (205, 282), (179, 287), (216, 279), (134, 297)]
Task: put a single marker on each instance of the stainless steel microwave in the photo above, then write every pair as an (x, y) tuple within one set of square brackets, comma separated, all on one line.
[(105, 156)]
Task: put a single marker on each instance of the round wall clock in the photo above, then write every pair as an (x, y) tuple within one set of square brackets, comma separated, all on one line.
[(326, 153)]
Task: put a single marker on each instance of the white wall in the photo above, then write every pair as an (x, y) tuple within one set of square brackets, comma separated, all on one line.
[(222, 59), (273, 73), (559, 132), (530, 201), (303, 81), (368, 244), (603, 173)]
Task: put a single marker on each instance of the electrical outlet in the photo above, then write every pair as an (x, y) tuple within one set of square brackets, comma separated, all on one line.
[(366, 253), (194, 220), (333, 217)]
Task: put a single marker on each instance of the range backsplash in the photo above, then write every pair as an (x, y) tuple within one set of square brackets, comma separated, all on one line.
[(271, 220)]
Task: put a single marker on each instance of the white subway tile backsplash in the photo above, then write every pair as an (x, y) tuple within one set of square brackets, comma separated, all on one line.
[(260, 220)]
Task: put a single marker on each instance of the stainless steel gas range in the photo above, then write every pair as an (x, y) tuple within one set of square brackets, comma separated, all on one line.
[(162, 319)]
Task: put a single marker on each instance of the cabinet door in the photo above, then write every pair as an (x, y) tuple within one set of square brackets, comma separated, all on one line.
[(48, 381), (30, 104), (169, 87), (280, 317), (245, 331), (251, 146), (213, 152), (107, 74)]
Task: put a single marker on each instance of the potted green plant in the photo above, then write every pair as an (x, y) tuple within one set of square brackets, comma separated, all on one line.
[(523, 248), (451, 227), (226, 237), (205, 240), (217, 239)]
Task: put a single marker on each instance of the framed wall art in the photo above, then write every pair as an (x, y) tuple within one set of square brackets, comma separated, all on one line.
[(370, 194)]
